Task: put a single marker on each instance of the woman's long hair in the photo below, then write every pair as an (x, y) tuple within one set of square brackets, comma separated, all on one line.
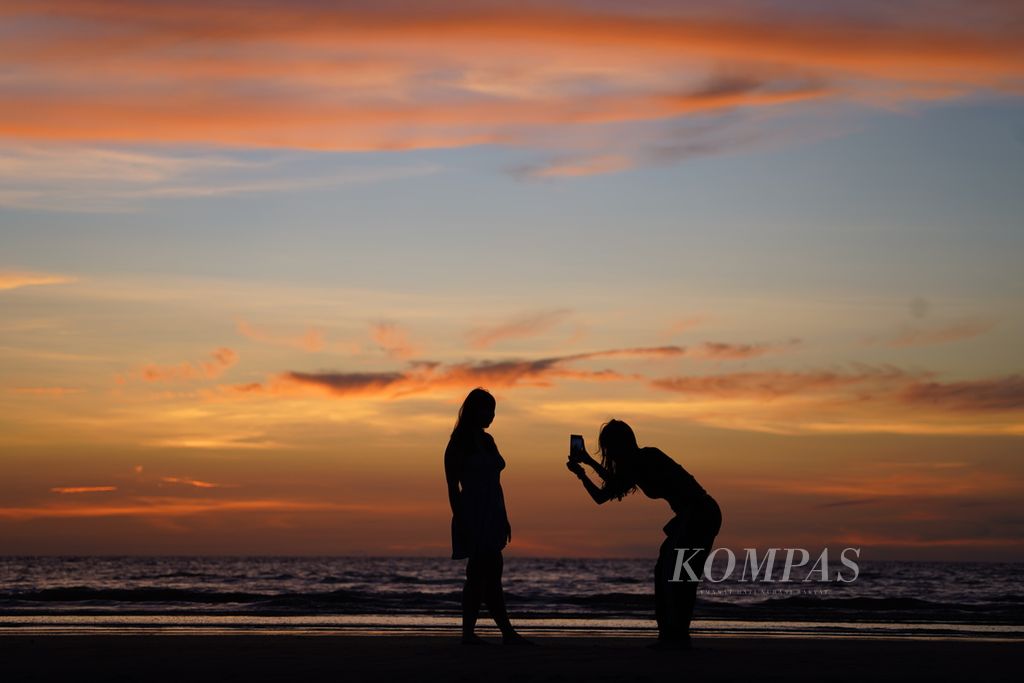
[(619, 451), (478, 402)]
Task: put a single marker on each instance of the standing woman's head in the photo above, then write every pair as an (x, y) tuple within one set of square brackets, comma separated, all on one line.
[(619, 452), (477, 411)]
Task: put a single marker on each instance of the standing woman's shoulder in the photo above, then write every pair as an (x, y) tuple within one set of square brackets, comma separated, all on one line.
[(484, 442), (455, 452)]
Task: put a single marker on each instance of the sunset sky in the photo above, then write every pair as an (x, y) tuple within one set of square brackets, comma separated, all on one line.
[(254, 255)]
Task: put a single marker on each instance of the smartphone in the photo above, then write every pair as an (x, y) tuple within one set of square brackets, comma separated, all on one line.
[(576, 443)]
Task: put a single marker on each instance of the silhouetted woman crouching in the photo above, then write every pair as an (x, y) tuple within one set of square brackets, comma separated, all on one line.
[(624, 467)]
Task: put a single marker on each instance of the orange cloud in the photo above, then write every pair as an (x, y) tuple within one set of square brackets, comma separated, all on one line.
[(511, 373), (862, 400), (683, 324), (634, 352), (219, 441), (341, 384), (55, 392), (190, 482), (726, 351), (424, 376), (995, 394), (927, 336), (517, 328), (570, 168), (311, 340), (17, 280), (220, 360), (156, 507), (393, 340), (771, 384), (858, 399), (897, 41), (458, 73), (898, 482), (354, 127), (82, 489), (909, 541)]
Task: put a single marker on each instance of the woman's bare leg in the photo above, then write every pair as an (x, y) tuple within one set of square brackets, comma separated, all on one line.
[(494, 596), (472, 593)]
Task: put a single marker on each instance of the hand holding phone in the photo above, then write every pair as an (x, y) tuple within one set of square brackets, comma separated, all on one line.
[(577, 451)]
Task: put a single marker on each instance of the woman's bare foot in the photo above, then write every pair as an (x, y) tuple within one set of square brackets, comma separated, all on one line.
[(515, 639)]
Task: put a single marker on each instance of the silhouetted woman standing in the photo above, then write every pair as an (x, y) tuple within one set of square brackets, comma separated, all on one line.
[(480, 527), (624, 467)]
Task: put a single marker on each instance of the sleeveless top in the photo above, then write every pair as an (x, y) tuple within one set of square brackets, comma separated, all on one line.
[(659, 476), (481, 522)]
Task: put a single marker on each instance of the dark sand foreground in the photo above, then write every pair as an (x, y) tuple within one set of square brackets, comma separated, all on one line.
[(435, 658)]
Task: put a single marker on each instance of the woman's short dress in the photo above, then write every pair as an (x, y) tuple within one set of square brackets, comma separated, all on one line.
[(481, 524)]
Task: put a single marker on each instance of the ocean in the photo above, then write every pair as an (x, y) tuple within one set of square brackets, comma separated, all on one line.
[(319, 595)]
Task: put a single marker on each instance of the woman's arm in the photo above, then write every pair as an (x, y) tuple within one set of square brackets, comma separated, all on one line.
[(451, 475), (582, 456), (612, 482), (601, 471), (599, 495)]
